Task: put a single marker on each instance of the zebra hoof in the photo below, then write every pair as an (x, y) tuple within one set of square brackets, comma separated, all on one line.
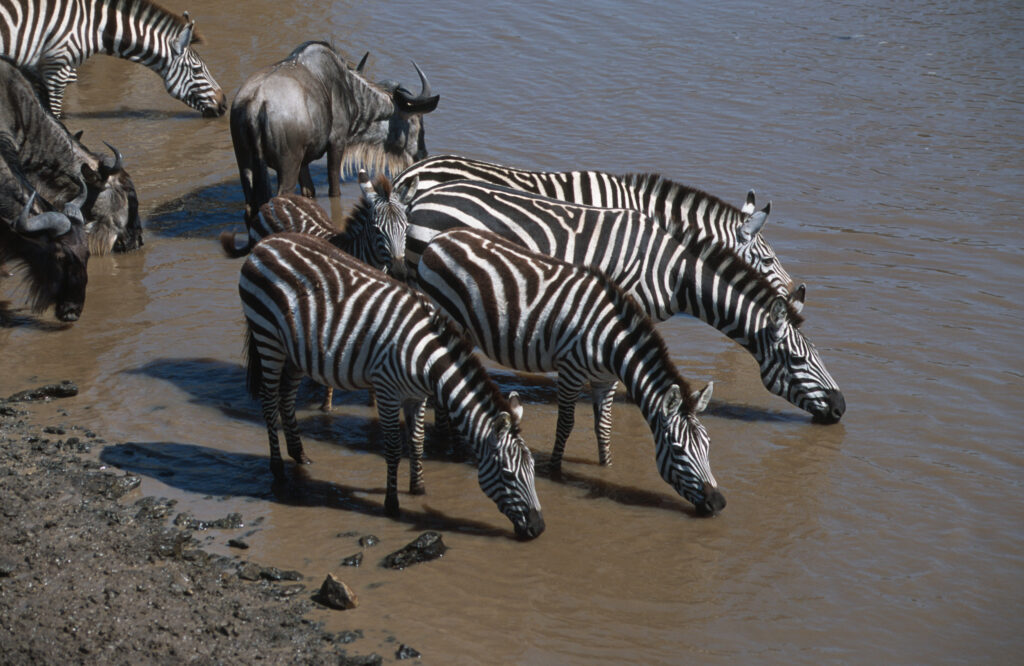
[(391, 506), (300, 458), (277, 469), (419, 489)]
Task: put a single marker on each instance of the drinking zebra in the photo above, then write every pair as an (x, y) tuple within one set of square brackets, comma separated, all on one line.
[(534, 313), (53, 37), (670, 204), (666, 276), (313, 310)]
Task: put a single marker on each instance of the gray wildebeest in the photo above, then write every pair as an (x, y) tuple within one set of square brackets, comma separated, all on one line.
[(291, 113), (53, 162), (53, 37), (51, 246)]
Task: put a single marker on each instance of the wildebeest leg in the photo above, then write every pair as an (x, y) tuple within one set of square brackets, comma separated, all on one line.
[(306, 182), (603, 396), (290, 378), (388, 410), (334, 154), (414, 414), (568, 393)]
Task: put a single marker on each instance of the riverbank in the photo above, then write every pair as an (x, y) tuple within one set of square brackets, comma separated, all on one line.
[(91, 571)]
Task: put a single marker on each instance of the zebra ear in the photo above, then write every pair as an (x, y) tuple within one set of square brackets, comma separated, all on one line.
[(365, 184), (502, 424), (748, 207), (702, 398), (797, 296), (184, 39), (753, 224), (673, 401), (517, 408), (408, 191), (779, 313)]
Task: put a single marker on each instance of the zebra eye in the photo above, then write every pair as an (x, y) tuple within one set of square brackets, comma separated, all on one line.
[(768, 261)]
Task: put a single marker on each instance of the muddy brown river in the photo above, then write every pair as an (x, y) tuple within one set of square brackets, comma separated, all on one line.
[(888, 138)]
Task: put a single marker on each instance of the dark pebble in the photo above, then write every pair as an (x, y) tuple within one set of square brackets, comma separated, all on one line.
[(368, 541), (336, 594), (352, 560), (65, 389), (427, 546), (237, 543), (406, 652)]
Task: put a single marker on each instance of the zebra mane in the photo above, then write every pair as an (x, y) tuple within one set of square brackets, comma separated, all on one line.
[(152, 7), (633, 312), (734, 269), (651, 181)]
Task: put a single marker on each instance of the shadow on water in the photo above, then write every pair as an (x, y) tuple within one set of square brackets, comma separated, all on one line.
[(206, 471), (135, 114)]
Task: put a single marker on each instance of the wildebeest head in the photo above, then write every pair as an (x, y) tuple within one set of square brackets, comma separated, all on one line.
[(188, 79), (54, 251), (112, 207), (400, 139)]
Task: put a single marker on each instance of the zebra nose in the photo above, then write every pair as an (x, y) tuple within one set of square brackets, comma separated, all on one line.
[(713, 503), (835, 407), (532, 527)]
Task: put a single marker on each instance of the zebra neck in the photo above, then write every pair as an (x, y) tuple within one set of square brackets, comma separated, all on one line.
[(674, 204), (641, 363), (143, 32), (462, 388), (726, 294)]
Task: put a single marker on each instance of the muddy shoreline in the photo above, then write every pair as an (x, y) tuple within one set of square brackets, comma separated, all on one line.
[(92, 571)]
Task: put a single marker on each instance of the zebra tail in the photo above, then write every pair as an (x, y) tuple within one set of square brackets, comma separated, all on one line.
[(253, 367), (227, 242)]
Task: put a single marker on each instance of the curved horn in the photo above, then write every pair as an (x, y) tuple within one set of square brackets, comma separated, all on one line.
[(362, 62), (52, 223), (118, 160), (425, 102), (73, 208)]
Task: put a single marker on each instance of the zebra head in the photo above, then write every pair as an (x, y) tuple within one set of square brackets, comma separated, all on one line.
[(751, 245), (506, 473), (682, 446), (790, 365), (382, 222), (188, 79)]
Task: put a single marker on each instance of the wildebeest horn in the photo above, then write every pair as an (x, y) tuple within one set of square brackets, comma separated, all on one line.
[(52, 223), (118, 163), (73, 208), (425, 102), (362, 62)]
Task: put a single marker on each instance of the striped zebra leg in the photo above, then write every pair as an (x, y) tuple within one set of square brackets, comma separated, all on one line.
[(57, 76), (269, 380), (603, 396), (414, 415), (388, 411), (288, 390), (569, 390)]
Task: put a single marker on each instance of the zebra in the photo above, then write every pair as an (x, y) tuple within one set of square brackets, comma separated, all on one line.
[(53, 37), (312, 310), (374, 231), (534, 313), (670, 204), (666, 273)]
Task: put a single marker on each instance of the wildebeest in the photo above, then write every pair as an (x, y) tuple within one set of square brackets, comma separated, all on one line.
[(54, 162), (52, 248), (291, 113)]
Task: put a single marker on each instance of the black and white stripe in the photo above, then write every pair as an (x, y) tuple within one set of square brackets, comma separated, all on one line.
[(54, 37), (666, 276), (672, 205), (533, 313), (314, 311)]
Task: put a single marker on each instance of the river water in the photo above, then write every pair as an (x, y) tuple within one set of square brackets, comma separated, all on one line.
[(888, 137)]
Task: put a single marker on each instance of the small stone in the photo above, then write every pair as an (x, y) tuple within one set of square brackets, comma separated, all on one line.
[(427, 546), (249, 571), (352, 560), (237, 543), (336, 594), (406, 652), (368, 541)]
